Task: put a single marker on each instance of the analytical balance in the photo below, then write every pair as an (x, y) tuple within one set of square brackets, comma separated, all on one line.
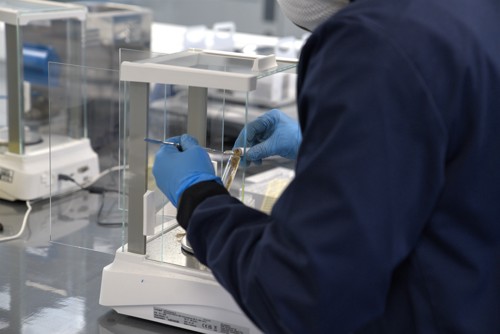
[(36, 34), (152, 276)]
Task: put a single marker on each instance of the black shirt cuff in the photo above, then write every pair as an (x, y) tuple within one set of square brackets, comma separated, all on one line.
[(193, 196)]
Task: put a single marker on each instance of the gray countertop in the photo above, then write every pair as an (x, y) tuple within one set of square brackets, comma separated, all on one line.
[(49, 278)]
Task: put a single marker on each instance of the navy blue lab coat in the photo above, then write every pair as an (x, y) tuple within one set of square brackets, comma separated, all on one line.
[(392, 223)]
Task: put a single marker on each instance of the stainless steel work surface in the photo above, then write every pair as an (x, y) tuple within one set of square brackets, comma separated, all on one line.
[(48, 287)]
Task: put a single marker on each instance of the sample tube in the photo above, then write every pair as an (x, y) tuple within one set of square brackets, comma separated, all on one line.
[(232, 167)]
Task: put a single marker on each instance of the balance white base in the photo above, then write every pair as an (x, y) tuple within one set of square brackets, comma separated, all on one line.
[(172, 295), (34, 175)]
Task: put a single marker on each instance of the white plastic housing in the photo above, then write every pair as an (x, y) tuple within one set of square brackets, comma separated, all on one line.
[(31, 175), (171, 295)]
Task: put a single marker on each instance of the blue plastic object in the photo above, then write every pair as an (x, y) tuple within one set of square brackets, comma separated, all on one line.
[(36, 60)]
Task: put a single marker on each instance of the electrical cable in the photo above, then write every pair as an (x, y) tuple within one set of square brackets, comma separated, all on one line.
[(91, 189), (118, 222), (96, 190), (23, 226), (88, 186), (104, 173)]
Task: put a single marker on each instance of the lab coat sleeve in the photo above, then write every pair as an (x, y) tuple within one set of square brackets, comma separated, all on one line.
[(193, 196), (368, 174)]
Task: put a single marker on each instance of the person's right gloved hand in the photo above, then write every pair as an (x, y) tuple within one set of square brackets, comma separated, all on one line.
[(273, 133), (176, 169)]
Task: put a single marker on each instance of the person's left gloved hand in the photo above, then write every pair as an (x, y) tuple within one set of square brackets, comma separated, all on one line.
[(176, 169), (272, 133)]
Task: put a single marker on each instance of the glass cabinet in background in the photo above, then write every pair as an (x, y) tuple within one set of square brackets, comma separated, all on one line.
[(36, 33)]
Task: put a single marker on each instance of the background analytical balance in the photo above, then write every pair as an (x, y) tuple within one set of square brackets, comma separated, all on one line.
[(152, 276), (36, 33)]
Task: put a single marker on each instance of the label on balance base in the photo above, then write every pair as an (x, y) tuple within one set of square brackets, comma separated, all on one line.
[(198, 322), (6, 175)]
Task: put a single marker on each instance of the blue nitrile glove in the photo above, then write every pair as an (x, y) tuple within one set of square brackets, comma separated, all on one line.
[(175, 169), (273, 133)]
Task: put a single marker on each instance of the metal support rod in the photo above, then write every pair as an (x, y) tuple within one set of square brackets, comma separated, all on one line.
[(197, 124), (77, 85), (138, 165), (197, 113), (269, 10), (15, 91)]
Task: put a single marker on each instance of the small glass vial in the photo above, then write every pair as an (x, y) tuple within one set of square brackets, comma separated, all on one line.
[(232, 167)]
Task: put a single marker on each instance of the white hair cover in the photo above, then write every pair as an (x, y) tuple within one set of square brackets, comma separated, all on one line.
[(308, 14)]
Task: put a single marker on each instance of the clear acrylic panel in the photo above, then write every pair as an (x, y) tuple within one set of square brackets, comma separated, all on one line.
[(84, 127), (161, 106), (111, 26), (27, 7)]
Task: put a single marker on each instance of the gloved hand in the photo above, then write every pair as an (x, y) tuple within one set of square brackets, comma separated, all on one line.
[(273, 133), (176, 169)]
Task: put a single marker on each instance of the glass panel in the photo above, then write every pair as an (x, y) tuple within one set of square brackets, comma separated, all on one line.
[(3, 90), (27, 6), (158, 111), (84, 101), (112, 26)]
